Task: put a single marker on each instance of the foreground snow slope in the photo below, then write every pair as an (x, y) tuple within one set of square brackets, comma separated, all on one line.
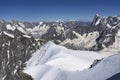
[(53, 62), (102, 71)]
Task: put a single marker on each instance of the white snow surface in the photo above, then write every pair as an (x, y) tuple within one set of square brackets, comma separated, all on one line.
[(41, 23), (108, 25), (21, 29), (102, 71), (53, 62), (8, 34), (9, 27), (39, 30), (27, 36), (21, 24), (97, 22)]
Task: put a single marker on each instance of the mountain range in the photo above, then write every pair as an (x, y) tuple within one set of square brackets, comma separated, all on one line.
[(67, 44)]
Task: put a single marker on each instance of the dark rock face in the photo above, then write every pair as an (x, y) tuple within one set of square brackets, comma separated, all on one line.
[(14, 52), (24, 76), (95, 63), (108, 28)]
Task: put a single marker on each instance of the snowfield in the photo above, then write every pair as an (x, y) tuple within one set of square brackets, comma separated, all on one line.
[(102, 71), (9, 27), (53, 62)]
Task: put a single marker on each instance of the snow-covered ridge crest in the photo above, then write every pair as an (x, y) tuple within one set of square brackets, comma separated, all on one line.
[(8, 34), (53, 62), (54, 57)]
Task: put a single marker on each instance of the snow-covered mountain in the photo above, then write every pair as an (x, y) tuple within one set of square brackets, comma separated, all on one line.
[(109, 33), (102, 33), (20, 40), (53, 62)]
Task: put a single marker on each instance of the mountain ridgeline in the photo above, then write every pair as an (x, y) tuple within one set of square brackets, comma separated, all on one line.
[(19, 40)]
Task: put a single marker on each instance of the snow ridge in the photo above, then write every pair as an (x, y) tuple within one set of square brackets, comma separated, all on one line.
[(52, 60)]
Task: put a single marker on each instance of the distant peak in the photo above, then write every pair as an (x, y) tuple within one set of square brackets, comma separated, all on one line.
[(41, 23), (59, 20), (2, 21), (96, 20), (97, 15)]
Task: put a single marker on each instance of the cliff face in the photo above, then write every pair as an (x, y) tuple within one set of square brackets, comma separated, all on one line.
[(15, 50)]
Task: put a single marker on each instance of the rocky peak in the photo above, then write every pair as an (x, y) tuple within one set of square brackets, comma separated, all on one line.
[(96, 20)]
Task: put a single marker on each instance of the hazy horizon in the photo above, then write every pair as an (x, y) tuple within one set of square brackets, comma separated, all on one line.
[(52, 10)]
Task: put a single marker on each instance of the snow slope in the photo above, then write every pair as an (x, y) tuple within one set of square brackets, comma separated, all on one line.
[(52, 61), (102, 71)]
